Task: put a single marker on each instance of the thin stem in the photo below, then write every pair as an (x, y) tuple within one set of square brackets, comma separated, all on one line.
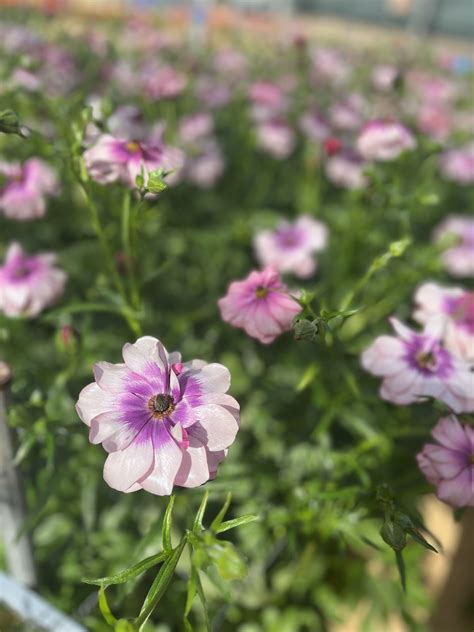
[(128, 223)]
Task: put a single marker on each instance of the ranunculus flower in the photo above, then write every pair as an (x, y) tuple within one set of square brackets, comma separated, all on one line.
[(161, 81), (260, 305), (205, 168), (276, 138), (384, 141), (346, 169), (456, 306), (449, 464), (417, 365), (268, 101), (346, 115), (163, 422), (29, 284), (384, 76), (458, 259), (112, 160), (23, 197), (329, 66), (291, 246), (314, 125), (195, 127), (458, 164)]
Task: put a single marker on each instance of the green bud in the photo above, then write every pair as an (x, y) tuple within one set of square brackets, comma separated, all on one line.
[(156, 182), (305, 329), (9, 123), (394, 535)]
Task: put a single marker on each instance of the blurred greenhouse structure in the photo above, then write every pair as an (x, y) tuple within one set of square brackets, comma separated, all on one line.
[(451, 17)]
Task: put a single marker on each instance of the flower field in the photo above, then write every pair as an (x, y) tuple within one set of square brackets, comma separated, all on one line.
[(236, 320)]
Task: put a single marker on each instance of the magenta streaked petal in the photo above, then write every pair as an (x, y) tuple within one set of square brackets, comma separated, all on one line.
[(168, 458), (450, 433), (125, 467), (458, 491)]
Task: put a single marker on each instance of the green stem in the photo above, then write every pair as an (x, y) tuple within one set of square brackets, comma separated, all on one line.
[(109, 259), (128, 223)]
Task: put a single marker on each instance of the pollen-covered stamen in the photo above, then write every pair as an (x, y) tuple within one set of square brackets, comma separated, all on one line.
[(133, 147), (427, 360), (161, 405), (261, 292)]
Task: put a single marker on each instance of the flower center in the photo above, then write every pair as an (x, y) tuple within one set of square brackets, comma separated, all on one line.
[(471, 459), (427, 360), (133, 146), (261, 292), (161, 405), (20, 272)]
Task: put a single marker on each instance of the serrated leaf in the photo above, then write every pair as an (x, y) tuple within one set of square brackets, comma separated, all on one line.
[(128, 573), (236, 522), (167, 524), (197, 525)]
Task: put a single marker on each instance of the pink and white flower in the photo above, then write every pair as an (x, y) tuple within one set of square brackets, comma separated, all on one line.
[(260, 305), (456, 306), (195, 127), (314, 125), (112, 160), (291, 246), (458, 164), (29, 284), (276, 138), (417, 365), (163, 422), (384, 141), (458, 259), (346, 169), (384, 77), (268, 100), (449, 463), (27, 187), (206, 167)]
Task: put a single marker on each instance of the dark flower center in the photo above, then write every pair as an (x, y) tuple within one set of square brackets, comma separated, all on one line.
[(161, 405), (427, 360), (261, 292)]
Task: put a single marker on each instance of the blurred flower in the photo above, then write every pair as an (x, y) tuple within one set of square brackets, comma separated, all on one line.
[(112, 160), (347, 115), (211, 93), (276, 137), (205, 168), (291, 246), (29, 284), (432, 88), (260, 305), (458, 164), (384, 140), (449, 464), (417, 365), (268, 100), (332, 146), (435, 120), (195, 127), (459, 259), (161, 81), (346, 169), (384, 76), (163, 422), (229, 62), (127, 122), (330, 66), (457, 307), (23, 197), (314, 125)]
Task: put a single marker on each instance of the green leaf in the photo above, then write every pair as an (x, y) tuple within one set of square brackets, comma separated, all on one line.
[(159, 586), (104, 607), (220, 516), (197, 525), (128, 573), (236, 522), (167, 521)]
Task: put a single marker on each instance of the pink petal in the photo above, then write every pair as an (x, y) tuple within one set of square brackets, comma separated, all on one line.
[(168, 458), (449, 432), (220, 425), (194, 469), (458, 491), (125, 467), (92, 402)]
